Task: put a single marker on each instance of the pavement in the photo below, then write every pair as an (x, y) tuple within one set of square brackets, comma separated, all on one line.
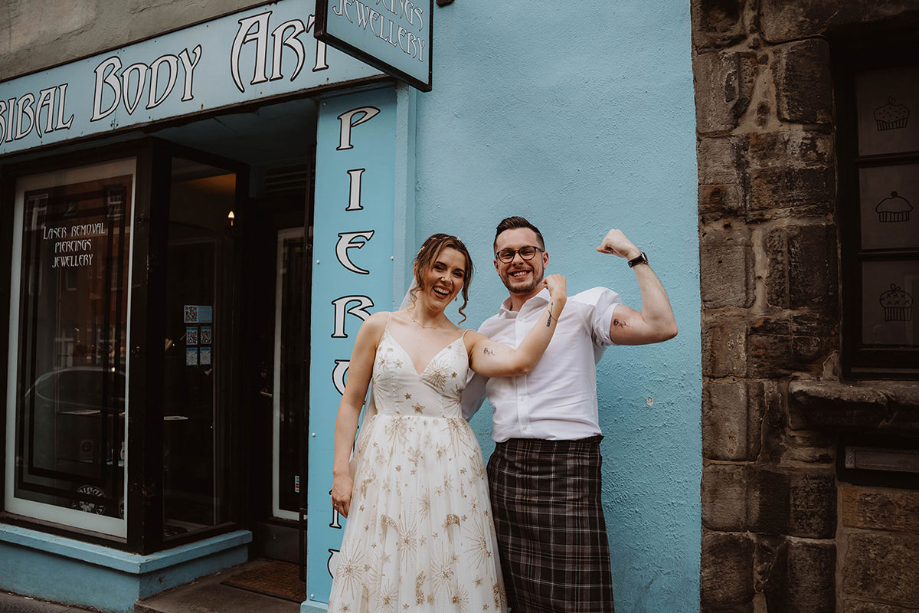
[(206, 595)]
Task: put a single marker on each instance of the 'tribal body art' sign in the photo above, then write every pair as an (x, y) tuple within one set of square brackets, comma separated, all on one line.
[(255, 54), (396, 36)]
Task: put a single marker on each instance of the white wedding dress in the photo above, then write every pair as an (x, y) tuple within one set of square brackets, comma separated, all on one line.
[(420, 535)]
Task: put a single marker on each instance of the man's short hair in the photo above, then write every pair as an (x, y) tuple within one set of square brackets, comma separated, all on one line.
[(512, 223)]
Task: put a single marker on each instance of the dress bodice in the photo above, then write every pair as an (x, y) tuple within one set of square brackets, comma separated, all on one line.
[(398, 389)]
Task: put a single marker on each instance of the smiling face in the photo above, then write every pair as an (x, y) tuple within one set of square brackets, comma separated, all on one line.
[(444, 278), (522, 278)]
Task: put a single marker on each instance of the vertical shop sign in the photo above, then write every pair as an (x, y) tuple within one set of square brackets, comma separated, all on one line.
[(394, 36), (352, 277)]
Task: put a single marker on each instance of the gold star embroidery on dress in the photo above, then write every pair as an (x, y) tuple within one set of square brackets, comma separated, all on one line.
[(408, 396), (418, 407)]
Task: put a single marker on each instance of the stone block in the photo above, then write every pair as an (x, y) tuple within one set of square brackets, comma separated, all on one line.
[(724, 497), (860, 606), (808, 447), (769, 502), (727, 572), (803, 82), (778, 192), (811, 577), (724, 420), (717, 201), (771, 570), (717, 23), (797, 502), (724, 347), (802, 269), (797, 343), (724, 85), (880, 509), (812, 503), (880, 566), (726, 269), (769, 350), (720, 159), (781, 20), (756, 415), (796, 148), (812, 273), (831, 405)]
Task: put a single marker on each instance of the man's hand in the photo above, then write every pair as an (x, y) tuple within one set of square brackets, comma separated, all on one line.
[(616, 243), (557, 287)]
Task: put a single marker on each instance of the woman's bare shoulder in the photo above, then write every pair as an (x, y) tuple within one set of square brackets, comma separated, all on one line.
[(375, 324)]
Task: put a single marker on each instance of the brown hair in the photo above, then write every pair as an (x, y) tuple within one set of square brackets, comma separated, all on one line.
[(512, 223), (427, 255)]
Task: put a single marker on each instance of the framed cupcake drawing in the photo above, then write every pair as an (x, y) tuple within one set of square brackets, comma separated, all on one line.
[(888, 102)]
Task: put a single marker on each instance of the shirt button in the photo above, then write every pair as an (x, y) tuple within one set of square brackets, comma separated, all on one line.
[(526, 427)]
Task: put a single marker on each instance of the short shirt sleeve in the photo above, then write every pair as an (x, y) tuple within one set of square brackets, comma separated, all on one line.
[(603, 302)]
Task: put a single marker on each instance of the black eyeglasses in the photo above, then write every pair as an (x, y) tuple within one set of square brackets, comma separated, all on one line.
[(526, 253)]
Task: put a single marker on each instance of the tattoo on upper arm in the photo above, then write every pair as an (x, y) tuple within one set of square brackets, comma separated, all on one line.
[(487, 351), (620, 324)]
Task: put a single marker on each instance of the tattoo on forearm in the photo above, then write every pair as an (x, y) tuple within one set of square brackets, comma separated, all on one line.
[(620, 324), (549, 320)]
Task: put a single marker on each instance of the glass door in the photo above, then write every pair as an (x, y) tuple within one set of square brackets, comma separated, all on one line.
[(200, 383)]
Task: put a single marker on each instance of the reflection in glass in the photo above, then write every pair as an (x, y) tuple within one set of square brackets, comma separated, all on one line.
[(289, 383), (71, 364), (196, 394)]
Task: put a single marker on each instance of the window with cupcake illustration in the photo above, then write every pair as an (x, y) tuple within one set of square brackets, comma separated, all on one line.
[(881, 231)]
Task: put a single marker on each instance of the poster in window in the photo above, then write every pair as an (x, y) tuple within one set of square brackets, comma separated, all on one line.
[(889, 196), (889, 291), (888, 110)]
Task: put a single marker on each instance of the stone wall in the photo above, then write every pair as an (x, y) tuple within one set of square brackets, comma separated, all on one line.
[(780, 533)]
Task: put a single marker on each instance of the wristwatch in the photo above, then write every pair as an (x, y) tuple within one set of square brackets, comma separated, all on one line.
[(641, 259)]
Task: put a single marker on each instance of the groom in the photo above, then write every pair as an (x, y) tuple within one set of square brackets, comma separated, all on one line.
[(544, 474)]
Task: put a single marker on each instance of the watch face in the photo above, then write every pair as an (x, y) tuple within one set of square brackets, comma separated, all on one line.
[(641, 259)]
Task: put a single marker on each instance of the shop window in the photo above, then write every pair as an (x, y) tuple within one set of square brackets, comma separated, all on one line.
[(879, 188), (68, 365)]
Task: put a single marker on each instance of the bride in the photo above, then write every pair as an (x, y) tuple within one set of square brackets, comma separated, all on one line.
[(420, 535)]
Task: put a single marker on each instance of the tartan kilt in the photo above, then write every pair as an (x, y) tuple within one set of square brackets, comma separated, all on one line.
[(554, 550)]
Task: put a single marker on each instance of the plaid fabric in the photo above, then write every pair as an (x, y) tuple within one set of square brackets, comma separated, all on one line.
[(545, 497)]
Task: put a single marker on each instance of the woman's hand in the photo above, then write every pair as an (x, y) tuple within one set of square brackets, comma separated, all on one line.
[(342, 485)]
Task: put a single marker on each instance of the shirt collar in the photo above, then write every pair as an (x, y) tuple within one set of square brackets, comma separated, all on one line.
[(537, 301)]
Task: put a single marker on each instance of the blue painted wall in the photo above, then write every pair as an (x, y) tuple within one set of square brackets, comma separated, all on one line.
[(580, 117)]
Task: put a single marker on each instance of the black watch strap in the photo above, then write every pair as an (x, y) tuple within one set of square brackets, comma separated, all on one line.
[(641, 259)]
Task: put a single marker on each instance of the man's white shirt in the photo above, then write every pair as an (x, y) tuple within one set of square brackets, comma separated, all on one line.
[(558, 399)]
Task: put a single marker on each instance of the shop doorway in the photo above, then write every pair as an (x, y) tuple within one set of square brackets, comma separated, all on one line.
[(272, 239), (278, 273)]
